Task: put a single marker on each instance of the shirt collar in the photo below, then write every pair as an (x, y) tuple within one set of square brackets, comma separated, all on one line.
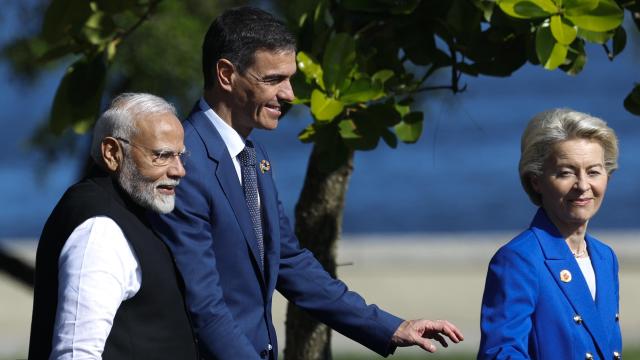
[(232, 140)]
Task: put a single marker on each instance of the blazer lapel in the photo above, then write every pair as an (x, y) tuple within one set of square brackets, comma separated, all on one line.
[(560, 260), (227, 177), (604, 283)]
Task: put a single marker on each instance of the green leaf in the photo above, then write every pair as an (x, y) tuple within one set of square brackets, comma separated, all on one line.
[(486, 7), (307, 135), (77, 100), (550, 53), (362, 90), (632, 101), (578, 64), (527, 9), (400, 7), (324, 108), (116, 6), (359, 5), (402, 109), (62, 16), (56, 52), (576, 59), (606, 16), (579, 6), (356, 136), (563, 31), (409, 132), (414, 117), (338, 61), (98, 28), (534, 9), (463, 18), (419, 50), (550, 6), (347, 129), (382, 76), (389, 138), (507, 6), (619, 41), (382, 114), (595, 37), (301, 88), (395, 7), (310, 68)]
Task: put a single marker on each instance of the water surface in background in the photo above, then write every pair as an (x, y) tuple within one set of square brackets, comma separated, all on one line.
[(460, 176)]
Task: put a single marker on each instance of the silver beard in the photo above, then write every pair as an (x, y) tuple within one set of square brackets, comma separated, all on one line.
[(143, 190)]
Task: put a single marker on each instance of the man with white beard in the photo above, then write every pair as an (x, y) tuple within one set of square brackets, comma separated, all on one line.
[(106, 286)]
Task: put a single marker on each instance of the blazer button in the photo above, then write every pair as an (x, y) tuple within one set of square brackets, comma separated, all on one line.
[(617, 316), (616, 355), (588, 356), (577, 319)]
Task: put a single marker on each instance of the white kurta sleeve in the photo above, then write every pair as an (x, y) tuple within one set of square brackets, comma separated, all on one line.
[(97, 270)]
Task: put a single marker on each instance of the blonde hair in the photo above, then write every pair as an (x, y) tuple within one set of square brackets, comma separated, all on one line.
[(551, 127)]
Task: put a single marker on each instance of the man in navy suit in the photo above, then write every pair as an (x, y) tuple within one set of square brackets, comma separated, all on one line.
[(234, 245)]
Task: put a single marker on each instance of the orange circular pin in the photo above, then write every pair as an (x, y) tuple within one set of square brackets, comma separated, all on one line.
[(565, 276)]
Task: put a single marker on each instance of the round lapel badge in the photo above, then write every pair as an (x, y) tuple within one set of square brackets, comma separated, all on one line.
[(565, 276)]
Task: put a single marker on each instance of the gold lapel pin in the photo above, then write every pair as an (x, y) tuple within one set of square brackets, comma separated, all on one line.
[(565, 276), (264, 166)]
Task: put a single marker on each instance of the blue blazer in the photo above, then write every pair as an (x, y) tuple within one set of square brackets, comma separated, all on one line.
[(530, 311), (228, 295)]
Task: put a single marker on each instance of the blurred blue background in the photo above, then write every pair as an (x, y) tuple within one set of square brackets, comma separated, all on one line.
[(460, 176)]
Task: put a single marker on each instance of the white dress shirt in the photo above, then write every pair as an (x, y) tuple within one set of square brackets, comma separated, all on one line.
[(97, 270), (588, 273)]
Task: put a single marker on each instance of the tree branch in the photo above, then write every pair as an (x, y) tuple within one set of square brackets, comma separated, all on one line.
[(152, 7), (453, 88)]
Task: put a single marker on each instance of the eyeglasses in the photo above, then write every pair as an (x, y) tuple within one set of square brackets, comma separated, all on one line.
[(160, 157)]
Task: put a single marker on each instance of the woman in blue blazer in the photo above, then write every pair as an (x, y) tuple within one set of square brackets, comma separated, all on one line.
[(552, 291)]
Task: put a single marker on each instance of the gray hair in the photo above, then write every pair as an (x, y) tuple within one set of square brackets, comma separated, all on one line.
[(119, 120), (554, 126)]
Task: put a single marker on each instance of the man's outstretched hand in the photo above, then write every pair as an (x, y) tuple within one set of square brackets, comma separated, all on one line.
[(417, 332)]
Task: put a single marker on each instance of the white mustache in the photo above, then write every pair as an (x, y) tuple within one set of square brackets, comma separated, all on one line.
[(167, 183)]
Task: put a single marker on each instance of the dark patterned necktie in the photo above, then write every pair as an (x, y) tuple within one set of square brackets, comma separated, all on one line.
[(247, 159)]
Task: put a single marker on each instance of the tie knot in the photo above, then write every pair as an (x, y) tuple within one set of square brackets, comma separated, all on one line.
[(247, 156)]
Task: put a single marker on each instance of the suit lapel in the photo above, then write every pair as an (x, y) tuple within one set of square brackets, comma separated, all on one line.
[(227, 177), (604, 283), (559, 260)]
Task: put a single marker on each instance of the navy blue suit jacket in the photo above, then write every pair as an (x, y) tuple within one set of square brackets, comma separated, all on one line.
[(530, 311), (228, 295)]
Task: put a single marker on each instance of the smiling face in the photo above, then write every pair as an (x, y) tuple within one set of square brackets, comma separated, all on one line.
[(573, 183), (259, 92), (150, 185)]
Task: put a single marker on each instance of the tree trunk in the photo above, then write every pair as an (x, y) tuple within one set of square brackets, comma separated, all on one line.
[(318, 225)]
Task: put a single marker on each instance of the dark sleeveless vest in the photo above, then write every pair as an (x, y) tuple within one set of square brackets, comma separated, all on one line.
[(151, 325)]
